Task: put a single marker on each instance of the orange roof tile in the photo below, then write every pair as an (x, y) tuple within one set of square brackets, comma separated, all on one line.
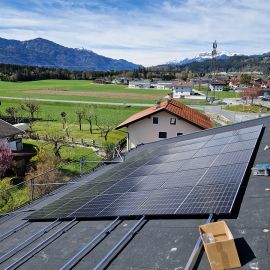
[(174, 107)]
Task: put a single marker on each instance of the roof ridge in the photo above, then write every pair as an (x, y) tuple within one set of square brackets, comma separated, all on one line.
[(174, 107)]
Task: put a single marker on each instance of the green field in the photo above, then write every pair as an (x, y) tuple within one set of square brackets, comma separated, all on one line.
[(70, 156), (247, 108), (73, 85), (50, 119), (81, 90), (219, 95)]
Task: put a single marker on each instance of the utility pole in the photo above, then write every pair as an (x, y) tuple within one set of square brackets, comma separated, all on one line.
[(214, 54)]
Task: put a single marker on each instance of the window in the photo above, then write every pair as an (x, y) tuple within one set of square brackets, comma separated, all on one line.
[(173, 121), (179, 134), (155, 120), (162, 135)]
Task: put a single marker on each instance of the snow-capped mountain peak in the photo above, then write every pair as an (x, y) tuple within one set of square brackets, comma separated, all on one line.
[(221, 55)]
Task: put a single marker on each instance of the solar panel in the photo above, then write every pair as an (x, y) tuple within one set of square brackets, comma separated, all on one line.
[(207, 199), (231, 173), (162, 202), (180, 149), (198, 176), (208, 151), (233, 157), (184, 178), (199, 162), (238, 146)]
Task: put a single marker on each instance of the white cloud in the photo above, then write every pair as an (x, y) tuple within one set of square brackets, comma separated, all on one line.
[(150, 35)]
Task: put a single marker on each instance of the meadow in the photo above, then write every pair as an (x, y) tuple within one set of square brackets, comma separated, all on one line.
[(81, 90), (49, 120), (84, 90), (218, 94)]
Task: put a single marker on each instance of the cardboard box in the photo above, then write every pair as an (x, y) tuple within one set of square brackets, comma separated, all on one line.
[(219, 246)]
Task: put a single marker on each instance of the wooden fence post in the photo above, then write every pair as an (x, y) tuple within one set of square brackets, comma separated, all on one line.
[(32, 188)]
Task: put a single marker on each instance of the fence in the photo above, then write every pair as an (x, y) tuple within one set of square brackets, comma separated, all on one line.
[(50, 180), (73, 141)]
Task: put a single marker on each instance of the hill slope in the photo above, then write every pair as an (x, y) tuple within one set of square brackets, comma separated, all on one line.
[(42, 52), (236, 63)]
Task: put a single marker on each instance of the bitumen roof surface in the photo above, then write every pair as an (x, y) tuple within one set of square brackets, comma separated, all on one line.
[(159, 243)]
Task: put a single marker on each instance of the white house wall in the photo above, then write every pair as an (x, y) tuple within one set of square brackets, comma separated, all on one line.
[(144, 131)]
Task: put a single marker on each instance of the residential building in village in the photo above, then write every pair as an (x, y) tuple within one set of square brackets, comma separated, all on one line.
[(217, 86), (9, 135), (182, 90), (165, 120), (142, 84)]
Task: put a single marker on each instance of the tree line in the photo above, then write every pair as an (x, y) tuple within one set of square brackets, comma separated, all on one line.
[(17, 73)]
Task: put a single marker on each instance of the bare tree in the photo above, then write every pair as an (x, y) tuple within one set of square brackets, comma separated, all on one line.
[(106, 124), (250, 93), (80, 115), (64, 119), (12, 112), (31, 107), (90, 115), (44, 174), (58, 142)]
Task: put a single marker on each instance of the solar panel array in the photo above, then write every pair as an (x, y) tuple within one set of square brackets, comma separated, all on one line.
[(197, 176)]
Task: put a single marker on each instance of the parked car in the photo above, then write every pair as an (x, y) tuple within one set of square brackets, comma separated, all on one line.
[(265, 98)]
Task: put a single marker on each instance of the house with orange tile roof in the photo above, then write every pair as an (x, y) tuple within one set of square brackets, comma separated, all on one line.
[(165, 120)]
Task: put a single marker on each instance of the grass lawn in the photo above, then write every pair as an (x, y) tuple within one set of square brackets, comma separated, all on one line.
[(52, 110), (82, 90), (73, 85), (247, 108), (68, 154), (50, 119), (12, 198), (219, 95)]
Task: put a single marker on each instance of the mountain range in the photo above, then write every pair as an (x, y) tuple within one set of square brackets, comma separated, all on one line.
[(45, 53), (226, 62), (201, 57)]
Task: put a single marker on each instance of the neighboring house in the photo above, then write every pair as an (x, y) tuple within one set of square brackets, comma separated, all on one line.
[(217, 86), (265, 85), (140, 84), (102, 81), (120, 81), (166, 120), (236, 85), (181, 90), (9, 136), (164, 85)]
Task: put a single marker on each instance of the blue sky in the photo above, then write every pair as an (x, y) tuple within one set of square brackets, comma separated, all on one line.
[(147, 32)]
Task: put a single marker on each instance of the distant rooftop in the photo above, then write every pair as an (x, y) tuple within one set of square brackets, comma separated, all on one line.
[(7, 130)]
